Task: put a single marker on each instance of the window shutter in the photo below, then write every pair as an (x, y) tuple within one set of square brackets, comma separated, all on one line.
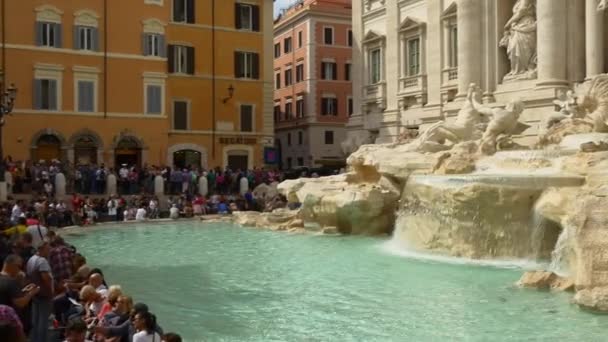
[(237, 16), (171, 58), (144, 44), (37, 94), (52, 94), (323, 106), (323, 71), (334, 71), (81, 96), (95, 38), (335, 107), (256, 65), (255, 17), (162, 48), (38, 30), (238, 71), (190, 11), (190, 60), (177, 9), (76, 39), (149, 96), (58, 35)]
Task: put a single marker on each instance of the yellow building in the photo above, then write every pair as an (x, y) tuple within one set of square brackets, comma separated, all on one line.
[(175, 82)]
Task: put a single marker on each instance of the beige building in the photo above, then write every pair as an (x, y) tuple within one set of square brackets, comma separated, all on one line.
[(413, 60)]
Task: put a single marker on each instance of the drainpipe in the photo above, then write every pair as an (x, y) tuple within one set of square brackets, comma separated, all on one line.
[(105, 59), (213, 99)]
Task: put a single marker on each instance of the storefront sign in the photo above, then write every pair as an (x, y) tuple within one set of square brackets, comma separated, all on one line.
[(238, 141), (271, 155)]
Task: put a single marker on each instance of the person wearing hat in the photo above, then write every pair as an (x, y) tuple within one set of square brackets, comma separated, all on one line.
[(39, 271)]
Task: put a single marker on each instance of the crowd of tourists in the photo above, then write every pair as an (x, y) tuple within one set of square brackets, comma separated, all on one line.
[(48, 292), (39, 178)]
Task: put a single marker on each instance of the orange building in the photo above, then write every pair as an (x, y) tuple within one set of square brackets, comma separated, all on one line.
[(176, 82), (313, 89)]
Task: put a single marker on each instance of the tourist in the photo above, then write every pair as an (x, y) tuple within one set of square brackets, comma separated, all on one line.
[(48, 189), (141, 214), (16, 212), (145, 324), (39, 271), (127, 329), (114, 292), (76, 331), (120, 312), (174, 212), (93, 301), (112, 208), (11, 293), (11, 329), (97, 281), (153, 207), (38, 232), (60, 259), (24, 247), (16, 230)]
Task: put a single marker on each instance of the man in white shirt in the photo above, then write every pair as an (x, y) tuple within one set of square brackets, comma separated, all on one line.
[(140, 215), (39, 233), (112, 208), (153, 206), (16, 212), (174, 212)]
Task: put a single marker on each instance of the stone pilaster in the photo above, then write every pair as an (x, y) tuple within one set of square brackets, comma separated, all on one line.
[(469, 44), (594, 39), (551, 18)]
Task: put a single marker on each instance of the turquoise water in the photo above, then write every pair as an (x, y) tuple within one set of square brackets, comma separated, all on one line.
[(216, 282)]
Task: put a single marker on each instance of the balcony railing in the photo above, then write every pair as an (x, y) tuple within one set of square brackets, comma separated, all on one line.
[(412, 84), (450, 76), (375, 91)]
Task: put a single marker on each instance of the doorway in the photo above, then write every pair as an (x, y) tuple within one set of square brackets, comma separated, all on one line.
[(85, 151), (238, 162), (48, 147), (128, 151), (187, 158)]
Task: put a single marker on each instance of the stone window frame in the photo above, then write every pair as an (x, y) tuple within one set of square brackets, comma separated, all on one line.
[(448, 23), (411, 29), (373, 41), (44, 71), (87, 74), (154, 79)]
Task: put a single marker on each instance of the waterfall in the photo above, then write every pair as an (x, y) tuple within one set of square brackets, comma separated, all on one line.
[(561, 253), (538, 233)]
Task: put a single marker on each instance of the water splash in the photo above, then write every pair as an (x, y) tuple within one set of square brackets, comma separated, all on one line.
[(562, 251)]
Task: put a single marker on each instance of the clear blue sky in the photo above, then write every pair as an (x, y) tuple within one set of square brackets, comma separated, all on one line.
[(281, 4)]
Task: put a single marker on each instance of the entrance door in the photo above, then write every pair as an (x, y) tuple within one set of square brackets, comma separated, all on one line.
[(85, 151), (238, 162), (48, 148), (128, 151), (187, 158)]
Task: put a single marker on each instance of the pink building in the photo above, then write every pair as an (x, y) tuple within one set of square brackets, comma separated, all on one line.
[(313, 89)]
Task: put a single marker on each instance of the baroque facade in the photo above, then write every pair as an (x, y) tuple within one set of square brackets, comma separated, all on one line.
[(413, 60), (313, 89), (159, 82)]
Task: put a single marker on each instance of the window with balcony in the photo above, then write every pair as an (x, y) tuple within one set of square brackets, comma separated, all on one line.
[(181, 59), (413, 56), (183, 11), (329, 71), (247, 17), (329, 106), (453, 46), (375, 63), (247, 65), (300, 161)]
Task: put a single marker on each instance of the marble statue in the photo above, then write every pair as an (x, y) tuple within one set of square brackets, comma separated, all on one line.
[(442, 136), (504, 123), (595, 103), (602, 5), (568, 109), (520, 41)]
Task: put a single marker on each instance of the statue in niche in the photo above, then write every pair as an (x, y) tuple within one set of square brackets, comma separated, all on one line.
[(442, 136), (520, 41), (504, 124)]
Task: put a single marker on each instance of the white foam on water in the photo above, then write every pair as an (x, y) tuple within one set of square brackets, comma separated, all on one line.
[(393, 247), (559, 255)]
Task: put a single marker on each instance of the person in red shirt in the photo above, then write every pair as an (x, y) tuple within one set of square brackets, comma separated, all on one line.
[(77, 204)]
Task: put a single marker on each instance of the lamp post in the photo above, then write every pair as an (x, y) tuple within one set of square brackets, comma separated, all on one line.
[(7, 102), (230, 94)]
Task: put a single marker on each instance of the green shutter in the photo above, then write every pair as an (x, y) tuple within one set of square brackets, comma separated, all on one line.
[(38, 30), (52, 95), (256, 66), (58, 35), (76, 40), (255, 17), (37, 103)]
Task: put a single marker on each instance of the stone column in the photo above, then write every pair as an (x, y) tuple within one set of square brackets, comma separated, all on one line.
[(203, 186), (469, 44), (433, 53), (594, 39), (111, 183), (159, 186), (60, 185), (551, 18)]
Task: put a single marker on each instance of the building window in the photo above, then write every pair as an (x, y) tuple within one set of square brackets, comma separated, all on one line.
[(277, 113), (154, 45), (246, 118), (289, 164), (329, 137), (329, 71), (86, 96), (328, 36), (300, 161), (300, 108), (300, 138), (180, 115), (375, 63), (154, 99), (347, 71), (277, 50), (183, 11), (349, 37), (48, 34), (329, 106), (413, 57), (181, 59), (287, 45), (247, 17), (45, 94), (453, 47), (247, 65), (289, 142), (288, 80), (299, 73), (350, 106), (85, 38), (300, 39), (288, 111), (277, 80)]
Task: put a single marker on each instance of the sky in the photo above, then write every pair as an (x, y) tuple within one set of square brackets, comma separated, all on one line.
[(281, 4)]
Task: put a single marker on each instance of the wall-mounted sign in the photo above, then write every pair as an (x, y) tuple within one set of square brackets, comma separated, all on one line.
[(271, 155), (238, 141)]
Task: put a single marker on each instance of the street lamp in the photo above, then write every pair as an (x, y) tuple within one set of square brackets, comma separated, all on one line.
[(230, 93), (7, 103)]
